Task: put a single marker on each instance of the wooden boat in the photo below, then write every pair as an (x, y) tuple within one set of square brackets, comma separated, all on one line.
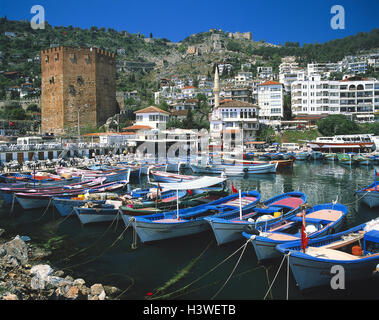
[(38, 179), (344, 158), (33, 200), (95, 213), (320, 220), (281, 163), (184, 222), (229, 227), (162, 176), (301, 155), (7, 193), (370, 194), (361, 160), (330, 156), (66, 204), (355, 250), (235, 170), (315, 155), (110, 175)]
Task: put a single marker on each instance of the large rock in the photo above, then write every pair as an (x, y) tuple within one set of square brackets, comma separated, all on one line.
[(16, 250)]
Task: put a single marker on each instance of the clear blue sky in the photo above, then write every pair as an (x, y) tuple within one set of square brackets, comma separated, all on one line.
[(274, 21)]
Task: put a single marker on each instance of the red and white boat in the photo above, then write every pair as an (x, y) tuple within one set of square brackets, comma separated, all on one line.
[(343, 143)]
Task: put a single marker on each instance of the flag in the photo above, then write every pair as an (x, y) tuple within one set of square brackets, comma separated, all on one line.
[(11, 123), (304, 237), (190, 192), (234, 190)]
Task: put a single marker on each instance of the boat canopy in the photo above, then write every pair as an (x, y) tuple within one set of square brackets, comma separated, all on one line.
[(202, 182)]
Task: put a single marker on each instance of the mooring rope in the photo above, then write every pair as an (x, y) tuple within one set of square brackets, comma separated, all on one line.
[(96, 241), (235, 267), (216, 282), (13, 199), (269, 289), (46, 209), (202, 276), (180, 274)]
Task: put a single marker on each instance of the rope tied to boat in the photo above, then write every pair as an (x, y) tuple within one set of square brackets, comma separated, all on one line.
[(273, 281), (134, 244), (235, 267), (201, 277)]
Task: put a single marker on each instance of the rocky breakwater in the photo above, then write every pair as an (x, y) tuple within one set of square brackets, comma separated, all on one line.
[(23, 279)]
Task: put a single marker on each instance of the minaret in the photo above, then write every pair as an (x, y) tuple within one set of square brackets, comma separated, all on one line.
[(216, 89)]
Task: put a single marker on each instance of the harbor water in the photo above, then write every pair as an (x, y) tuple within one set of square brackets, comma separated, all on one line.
[(189, 268)]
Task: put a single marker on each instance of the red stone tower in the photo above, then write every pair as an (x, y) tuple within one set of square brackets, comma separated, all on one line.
[(75, 79)]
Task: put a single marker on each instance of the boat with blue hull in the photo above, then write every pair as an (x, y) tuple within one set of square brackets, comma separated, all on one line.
[(42, 199), (235, 170), (319, 220), (229, 227), (301, 155), (66, 204), (370, 194), (355, 250), (7, 193), (96, 213), (161, 176), (184, 222), (316, 155)]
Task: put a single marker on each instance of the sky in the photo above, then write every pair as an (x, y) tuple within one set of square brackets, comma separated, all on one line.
[(273, 21)]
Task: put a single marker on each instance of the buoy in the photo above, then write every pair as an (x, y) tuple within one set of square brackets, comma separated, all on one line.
[(356, 251), (277, 214)]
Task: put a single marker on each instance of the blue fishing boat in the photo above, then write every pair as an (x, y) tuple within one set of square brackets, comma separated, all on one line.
[(7, 193), (370, 194), (301, 155), (316, 155), (319, 220), (95, 213), (33, 200), (229, 227), (66, 204), (184, 222), (355, 251), (162, 176)]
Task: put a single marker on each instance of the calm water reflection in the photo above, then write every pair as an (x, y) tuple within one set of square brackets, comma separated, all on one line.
[(93, 252)]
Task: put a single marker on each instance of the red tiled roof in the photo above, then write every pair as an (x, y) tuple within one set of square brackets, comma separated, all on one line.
[(188, 87), (268, 83), (151, 109), (137, 127)]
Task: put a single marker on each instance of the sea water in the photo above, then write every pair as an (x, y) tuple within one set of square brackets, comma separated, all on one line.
[(182, 267)]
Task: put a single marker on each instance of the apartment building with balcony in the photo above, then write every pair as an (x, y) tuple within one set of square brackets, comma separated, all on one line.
[(270, 100), (355, 97), (235, 117)]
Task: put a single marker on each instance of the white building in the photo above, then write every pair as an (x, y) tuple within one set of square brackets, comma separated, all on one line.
[(188, 92), (265, 73), (233, 116), (270, 101), (149, 118), (354, 97)]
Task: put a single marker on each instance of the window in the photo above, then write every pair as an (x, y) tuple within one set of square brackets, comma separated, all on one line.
[(72, 58), (80, 80), (72, 90), (46, 59), (51, 80)]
